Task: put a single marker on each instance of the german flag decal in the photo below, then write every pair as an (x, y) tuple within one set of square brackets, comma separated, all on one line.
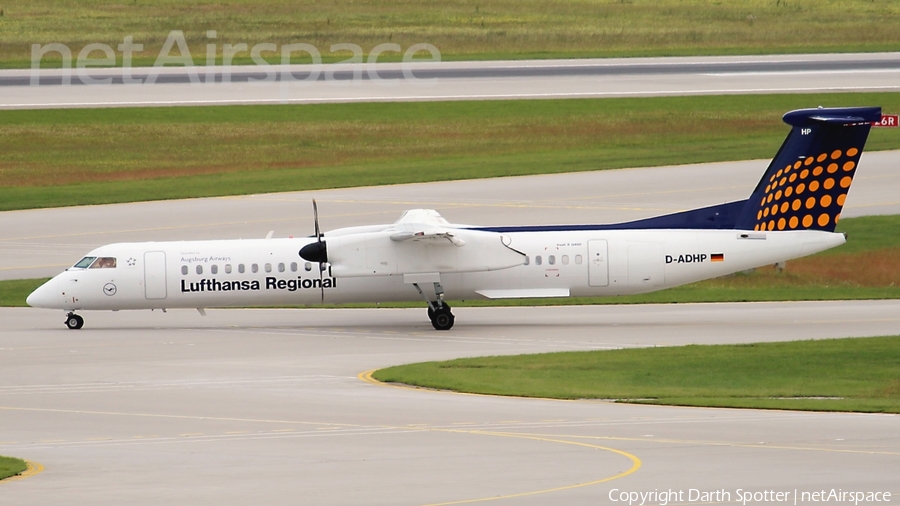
[(717, 257)]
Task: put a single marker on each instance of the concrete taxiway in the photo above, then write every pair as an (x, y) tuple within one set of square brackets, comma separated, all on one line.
[(422, 81), (42, 242), (267, 407), (272, 406)]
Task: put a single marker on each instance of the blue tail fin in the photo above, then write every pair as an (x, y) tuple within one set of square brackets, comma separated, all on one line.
[(807, 181)]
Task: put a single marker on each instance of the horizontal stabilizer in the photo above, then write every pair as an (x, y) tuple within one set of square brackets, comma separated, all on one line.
[(834, 116)]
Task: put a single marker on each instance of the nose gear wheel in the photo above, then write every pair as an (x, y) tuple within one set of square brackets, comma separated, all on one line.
[(74, 321)]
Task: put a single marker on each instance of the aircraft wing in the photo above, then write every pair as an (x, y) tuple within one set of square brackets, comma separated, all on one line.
[(426, 226), (435, 237), (421, 241)]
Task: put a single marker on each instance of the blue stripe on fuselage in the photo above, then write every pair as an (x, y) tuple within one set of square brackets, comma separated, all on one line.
[(718, 217)]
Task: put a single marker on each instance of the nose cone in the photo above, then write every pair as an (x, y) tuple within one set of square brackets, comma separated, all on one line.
[(46, 295), (315, 252)]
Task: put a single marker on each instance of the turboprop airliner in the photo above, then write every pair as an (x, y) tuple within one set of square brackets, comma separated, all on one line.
[(791, 213)]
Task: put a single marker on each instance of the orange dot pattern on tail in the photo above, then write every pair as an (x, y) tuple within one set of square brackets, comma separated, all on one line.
[(807, 193)]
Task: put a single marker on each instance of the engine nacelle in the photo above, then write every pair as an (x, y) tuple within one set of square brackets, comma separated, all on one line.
[(458, 250)]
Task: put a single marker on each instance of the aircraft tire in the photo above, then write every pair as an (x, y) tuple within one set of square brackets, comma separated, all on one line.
[(431, 311), (443, 319), (74, 321)]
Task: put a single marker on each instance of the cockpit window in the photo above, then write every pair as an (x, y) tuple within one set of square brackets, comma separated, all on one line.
[(104, 263), (84, 263)]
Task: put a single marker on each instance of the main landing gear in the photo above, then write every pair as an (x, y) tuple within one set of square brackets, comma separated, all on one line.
[(438, 310), (74, 322), (441, 317)]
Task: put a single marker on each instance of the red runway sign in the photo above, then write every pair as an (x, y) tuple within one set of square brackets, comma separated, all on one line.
[(888, 121)]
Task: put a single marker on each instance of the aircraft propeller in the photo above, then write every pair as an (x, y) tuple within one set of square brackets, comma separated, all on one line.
[(317, 251)]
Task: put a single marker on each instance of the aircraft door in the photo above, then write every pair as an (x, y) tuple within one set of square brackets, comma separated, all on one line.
[(646, 267), (155, 275), (598, 263)]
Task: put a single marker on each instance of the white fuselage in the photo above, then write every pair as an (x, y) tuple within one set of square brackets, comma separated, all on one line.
[(265, 272)]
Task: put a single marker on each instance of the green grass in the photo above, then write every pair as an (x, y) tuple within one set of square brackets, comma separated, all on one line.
[(11, 466), (66, 157), (13, 292), (853, 374), (863, 268), (867, 234), (462, 29)]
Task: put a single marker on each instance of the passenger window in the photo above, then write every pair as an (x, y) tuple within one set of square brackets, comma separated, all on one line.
[(227, 268), (199, 269), (527, 260), (268, 267), (537, 260), (551, 260), (280, 267), (85, 262), (254, 268), (214, 269), (104, 263), (184, 270), (307, 266), (293, 266), (578, 259), (565, 259), (241, 268)]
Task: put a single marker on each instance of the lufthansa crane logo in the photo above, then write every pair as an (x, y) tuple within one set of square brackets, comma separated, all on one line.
[(109, 289)]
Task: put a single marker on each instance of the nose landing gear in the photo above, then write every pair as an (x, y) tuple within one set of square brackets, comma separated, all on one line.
[(74, 321)]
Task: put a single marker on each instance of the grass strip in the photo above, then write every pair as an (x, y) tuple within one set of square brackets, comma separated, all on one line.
[(54, 158), (461, 29), (11, 466), (857, 374), (14, 291), (863, 268)]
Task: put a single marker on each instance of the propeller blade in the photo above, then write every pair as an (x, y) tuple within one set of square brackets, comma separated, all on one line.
[(317, 251), (316, 220), (321, 281)]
